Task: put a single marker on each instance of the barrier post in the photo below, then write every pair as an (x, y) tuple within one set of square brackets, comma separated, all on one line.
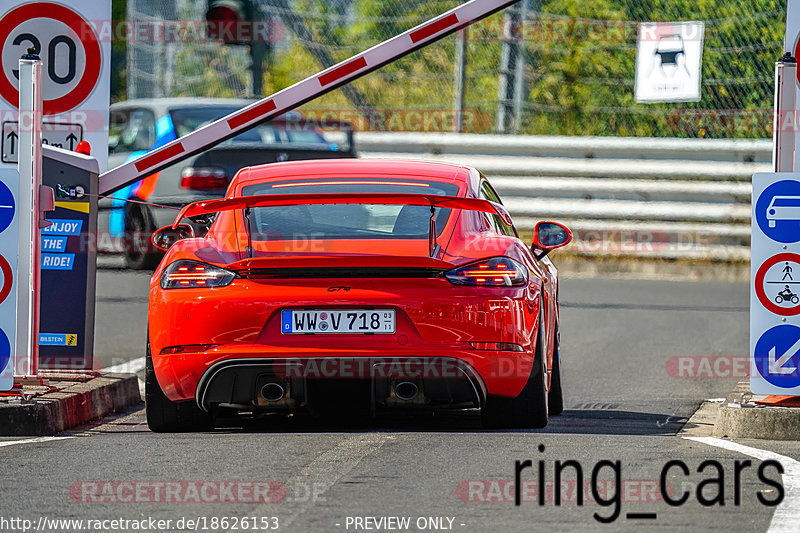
[(785, 120), (30, 181)]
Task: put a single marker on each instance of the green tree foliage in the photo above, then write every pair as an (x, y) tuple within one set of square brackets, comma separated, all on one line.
[(118, 54), (579, 74)]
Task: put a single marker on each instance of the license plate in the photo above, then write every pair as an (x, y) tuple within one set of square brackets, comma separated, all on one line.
[(338, 321)]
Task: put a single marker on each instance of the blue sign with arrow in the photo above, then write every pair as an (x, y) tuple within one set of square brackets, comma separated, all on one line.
[(777, 356)]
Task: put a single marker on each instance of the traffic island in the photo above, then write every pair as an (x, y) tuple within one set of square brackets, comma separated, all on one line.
[(67, 402), (745, 416)]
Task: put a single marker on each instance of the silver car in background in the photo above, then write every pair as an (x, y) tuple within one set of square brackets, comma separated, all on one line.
[(138, 126)]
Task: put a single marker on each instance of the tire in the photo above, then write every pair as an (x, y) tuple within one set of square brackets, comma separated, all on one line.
[(795, 299), (139, 227), (166, 416), (778, 299), (529, 409), (555, 397)]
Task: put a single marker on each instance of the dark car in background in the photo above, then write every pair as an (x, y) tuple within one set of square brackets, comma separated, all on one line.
[(138, 126)]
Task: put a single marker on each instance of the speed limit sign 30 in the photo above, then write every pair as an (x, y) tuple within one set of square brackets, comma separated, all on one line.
[(73, 41), (64, 40)]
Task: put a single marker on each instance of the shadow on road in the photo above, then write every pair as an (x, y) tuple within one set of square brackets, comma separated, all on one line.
[(599, 421), (615, 422), (577, 421)]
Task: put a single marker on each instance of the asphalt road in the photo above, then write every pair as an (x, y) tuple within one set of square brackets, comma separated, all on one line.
[(625, 402)]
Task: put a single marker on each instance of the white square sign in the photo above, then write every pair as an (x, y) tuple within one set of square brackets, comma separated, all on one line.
[(669, 60), (775, 285)]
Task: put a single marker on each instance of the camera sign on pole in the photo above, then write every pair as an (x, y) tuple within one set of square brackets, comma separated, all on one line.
[(775, 289), (669, 61)]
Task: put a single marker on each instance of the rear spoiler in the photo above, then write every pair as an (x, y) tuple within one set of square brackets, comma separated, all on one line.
[(205, 207)]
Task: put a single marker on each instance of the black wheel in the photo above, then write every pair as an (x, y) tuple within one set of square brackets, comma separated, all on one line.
[(166, 416), (555, 397), (529, 409), (139, 227), (778, 299), (795, 299)]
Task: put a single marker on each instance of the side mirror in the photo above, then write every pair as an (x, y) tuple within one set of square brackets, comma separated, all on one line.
[(167, 236), (548, 236)]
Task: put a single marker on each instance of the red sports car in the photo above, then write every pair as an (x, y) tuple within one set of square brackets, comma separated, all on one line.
[(354, 286)]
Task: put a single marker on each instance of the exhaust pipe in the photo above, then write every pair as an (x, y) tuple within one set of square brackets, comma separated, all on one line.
[(406, 390), (272, 392)]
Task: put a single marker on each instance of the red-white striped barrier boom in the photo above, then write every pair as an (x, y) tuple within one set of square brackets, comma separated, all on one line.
[(299, 93)]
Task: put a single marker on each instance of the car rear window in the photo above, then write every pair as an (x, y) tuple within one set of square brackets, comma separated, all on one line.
[(357, 221)]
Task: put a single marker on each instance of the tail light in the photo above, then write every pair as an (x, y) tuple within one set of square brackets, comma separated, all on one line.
[(188, 348), (496, 346), (203, 178), (494, 272), (186, 274)]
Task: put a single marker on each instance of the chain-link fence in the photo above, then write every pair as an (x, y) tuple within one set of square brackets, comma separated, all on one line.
[(540, 67)]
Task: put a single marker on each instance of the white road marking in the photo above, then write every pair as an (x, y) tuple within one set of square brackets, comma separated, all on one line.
[(787, 514), (31, 441), (323, 472), (131, 367)]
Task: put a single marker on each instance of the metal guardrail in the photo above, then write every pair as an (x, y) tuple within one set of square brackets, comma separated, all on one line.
[(729, 150), (666, 198)]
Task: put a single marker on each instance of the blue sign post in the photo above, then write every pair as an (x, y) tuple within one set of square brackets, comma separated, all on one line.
[(8, 266), (775, 284)]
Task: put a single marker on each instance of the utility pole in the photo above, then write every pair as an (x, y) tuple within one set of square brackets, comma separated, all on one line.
[(460, 78), (512, 69)]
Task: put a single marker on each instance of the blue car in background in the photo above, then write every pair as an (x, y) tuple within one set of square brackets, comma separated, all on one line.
[(138, 126)]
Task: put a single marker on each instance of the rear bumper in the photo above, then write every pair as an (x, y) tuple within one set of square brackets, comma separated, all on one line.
[(434, 320), (325, 384), (228, 373)]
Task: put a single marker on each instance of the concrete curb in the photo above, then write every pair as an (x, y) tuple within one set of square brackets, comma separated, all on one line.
[(746, 421), (72, 406)]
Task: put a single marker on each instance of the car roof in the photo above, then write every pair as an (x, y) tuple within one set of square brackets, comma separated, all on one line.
[(434, 170), (162, 105)]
